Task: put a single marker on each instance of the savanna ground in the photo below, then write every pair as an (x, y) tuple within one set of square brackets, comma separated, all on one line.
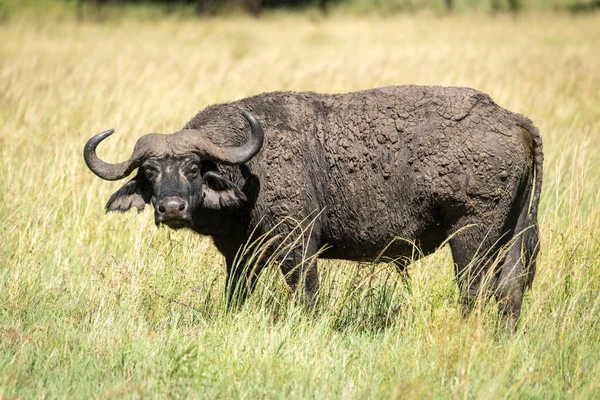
[(95, 305)]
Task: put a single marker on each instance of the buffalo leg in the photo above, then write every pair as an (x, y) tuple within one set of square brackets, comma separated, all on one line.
[(300, 270), (240, 282), (518, 269), (241, 276), (473, 251), (511, 286)]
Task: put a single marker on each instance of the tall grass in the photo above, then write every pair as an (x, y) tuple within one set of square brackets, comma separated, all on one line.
[(95, 305)]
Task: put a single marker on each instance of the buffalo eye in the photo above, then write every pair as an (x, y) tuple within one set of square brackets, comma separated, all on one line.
[(151, 173), (192, 171)]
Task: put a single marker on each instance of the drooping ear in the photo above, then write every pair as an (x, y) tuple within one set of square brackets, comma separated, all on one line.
[(133, 194), (219, 192)]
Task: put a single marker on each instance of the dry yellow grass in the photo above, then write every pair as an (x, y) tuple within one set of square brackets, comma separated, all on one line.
[(109, 306)]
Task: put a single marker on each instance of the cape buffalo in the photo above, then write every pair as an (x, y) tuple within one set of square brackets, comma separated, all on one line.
[(376, 173)]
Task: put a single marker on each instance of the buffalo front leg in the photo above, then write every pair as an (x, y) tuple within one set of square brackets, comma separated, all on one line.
[(242, 273), (241, 281), (299, 267)]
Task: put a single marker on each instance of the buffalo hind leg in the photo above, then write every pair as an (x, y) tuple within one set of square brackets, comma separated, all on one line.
[(473, 255), (517, 270)]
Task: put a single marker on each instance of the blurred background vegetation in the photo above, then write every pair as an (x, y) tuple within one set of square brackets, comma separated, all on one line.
[(95, 9)]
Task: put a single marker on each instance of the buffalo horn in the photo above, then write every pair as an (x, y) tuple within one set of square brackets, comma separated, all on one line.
[(180, 142), (113, 172), (193, 140)]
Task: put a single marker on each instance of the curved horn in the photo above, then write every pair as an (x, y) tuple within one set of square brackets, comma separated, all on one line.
[(245, 153), (113, 172), (192, 140)]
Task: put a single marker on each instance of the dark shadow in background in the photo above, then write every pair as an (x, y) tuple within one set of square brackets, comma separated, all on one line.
[(207, 7), (584, 7)]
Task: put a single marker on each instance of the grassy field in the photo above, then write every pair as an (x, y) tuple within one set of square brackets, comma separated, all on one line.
[(105, 306)]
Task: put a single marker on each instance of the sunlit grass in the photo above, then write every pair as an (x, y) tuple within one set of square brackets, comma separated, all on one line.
[(95, 305)]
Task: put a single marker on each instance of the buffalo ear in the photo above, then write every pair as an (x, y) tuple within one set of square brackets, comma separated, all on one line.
[(219, 192), (133, 194)]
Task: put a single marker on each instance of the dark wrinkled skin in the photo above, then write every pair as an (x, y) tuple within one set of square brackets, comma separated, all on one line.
[(418, 163)]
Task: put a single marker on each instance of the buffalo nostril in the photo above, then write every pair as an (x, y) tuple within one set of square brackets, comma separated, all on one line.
[(172, 207)]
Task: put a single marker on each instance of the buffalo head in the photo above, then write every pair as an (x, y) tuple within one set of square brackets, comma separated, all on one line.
[(175, 173)]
